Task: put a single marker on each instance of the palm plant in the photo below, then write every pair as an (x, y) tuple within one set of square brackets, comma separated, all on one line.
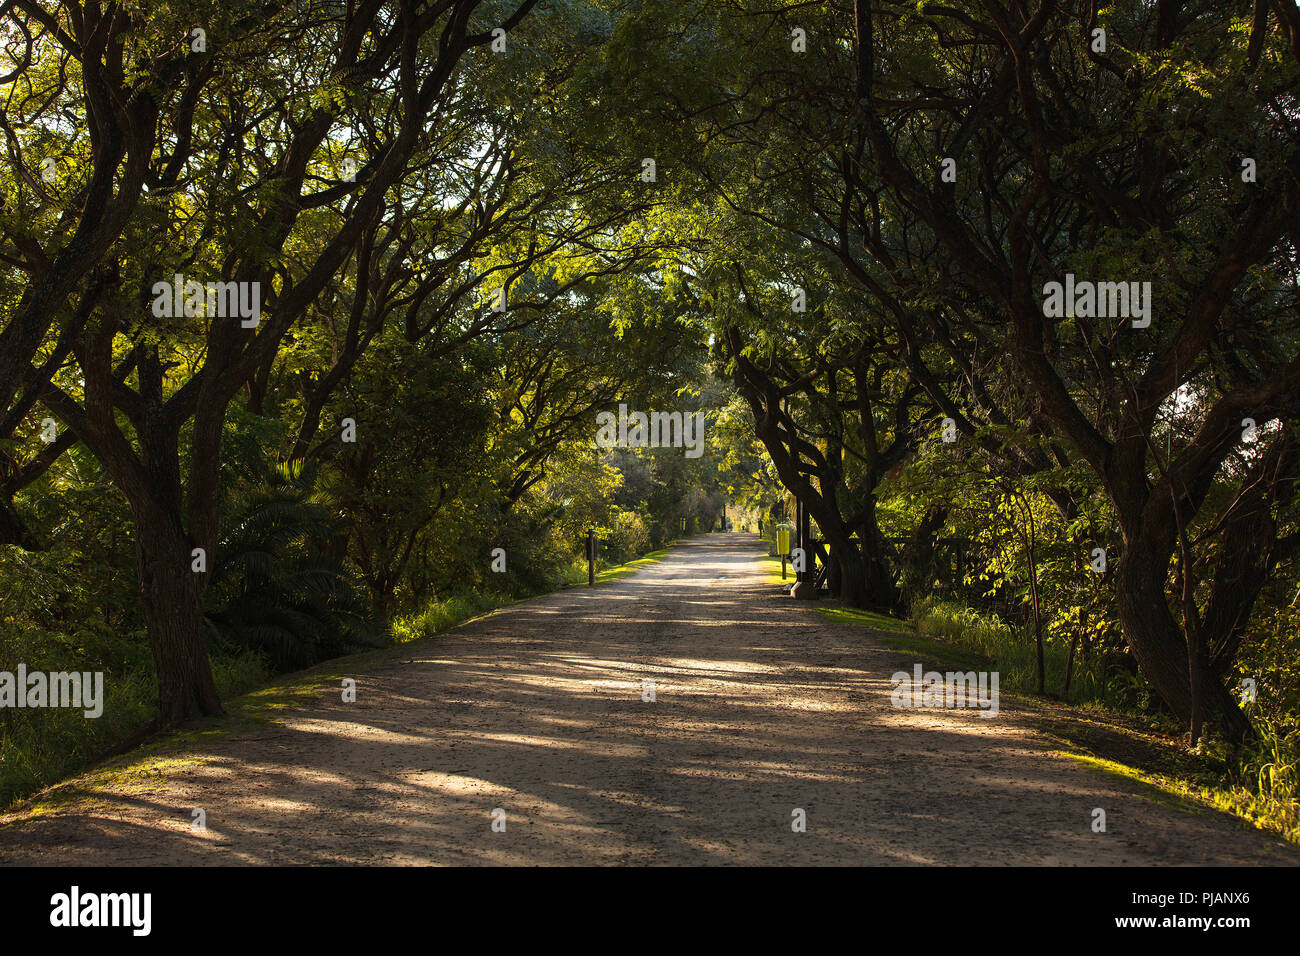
[(280, 584)]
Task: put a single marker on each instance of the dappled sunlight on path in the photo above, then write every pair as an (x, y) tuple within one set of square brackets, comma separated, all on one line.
[(760, 708)]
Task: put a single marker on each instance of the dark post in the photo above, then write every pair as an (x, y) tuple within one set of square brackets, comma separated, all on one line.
[(591, 556), (798, 535), (806, 544)]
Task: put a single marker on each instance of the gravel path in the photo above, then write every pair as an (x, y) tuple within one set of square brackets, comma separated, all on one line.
[(761, 708)]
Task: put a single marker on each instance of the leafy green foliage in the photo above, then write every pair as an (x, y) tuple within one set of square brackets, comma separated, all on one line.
[(279, 586)]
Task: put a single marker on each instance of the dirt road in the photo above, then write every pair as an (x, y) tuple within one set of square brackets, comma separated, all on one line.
[(761, 708)]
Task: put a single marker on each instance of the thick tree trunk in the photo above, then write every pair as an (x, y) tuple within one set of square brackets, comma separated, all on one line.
[(1158, 643), (852, 579), (863, 580), (834, 573), (172, 597), (880, 584), (878, 567), (383, 598)]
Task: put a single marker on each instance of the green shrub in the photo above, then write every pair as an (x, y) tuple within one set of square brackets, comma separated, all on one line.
[(437, 616), (1013, 649)]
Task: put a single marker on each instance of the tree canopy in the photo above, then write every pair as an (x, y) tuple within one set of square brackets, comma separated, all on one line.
[(307, 311)]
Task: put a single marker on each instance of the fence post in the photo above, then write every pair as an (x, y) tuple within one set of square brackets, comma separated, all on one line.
[(795, 539), (591, 556)]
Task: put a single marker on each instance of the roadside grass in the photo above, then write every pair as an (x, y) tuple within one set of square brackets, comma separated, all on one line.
[(881, 622), (1014, 651), (576, 574), (56, 756), (144, 767), (1258, 785), (437, 616), (606, 575), (901, 635), (936, 654), (40, 747), (772, 565), (1201, 780)]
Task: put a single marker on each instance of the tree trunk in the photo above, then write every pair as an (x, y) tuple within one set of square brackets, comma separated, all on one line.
[(1069, 667), (383, 599), (1158, 643), (864, 580), (834, 573), (172, 597), (1041, 675), (878, 567), (880, 584), (852, 579)]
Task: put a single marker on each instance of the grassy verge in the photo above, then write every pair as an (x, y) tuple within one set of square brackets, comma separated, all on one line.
[(437, 616), (1201, 779), (631, 567), (902, 636), (1257, 785), (144, 768), (578, 574), (38, 749), (772, 565)]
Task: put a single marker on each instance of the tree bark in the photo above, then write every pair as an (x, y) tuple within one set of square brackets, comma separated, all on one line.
[(1158, 643), (171, 595)]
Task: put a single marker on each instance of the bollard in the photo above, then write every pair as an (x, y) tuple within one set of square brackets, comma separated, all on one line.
[(591, 556)]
